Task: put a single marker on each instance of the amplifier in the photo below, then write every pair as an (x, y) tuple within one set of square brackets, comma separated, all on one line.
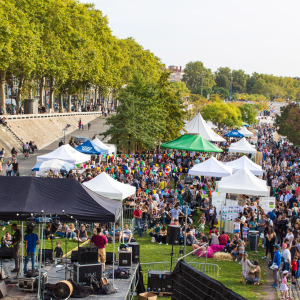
[(125, 259), (154, 281), (166, 282), (82, 272), (109, 258), (31, 284), (87, 255), (6, 253)]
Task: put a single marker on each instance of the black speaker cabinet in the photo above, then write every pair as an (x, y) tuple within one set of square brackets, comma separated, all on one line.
[(135, 252), (125, 259), (87, 255), (154, 281), (3, 289), (74, 256), (82, 272), (47, 254), (6, 252), (109, 258), (173, 235), (166, 282)]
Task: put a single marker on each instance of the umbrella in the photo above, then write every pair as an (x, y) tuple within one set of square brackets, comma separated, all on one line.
[(234, 133), (191, 142), (54, 165), (90, 148)]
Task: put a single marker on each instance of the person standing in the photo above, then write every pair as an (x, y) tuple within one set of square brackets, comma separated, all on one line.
[(100, 241), (277, 261), (17, 238), (79, 123), (31, 240)]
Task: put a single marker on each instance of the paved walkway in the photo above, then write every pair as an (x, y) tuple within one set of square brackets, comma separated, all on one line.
[(97, 126)]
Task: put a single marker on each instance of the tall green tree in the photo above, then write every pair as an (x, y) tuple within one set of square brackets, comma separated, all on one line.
[(248, 113)]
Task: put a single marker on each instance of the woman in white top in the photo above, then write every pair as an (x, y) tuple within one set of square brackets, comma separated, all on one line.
[(246, 265), (290, 235)]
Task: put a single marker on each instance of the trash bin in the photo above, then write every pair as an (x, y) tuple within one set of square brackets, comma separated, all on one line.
[(253, 240)]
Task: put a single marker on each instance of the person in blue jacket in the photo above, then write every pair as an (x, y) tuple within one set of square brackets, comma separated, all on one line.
[(277, 261)]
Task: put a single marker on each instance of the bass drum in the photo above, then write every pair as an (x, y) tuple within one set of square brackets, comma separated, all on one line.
[(63, 290)]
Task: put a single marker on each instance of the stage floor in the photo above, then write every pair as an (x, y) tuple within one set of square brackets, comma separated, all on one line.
[(123, 286)]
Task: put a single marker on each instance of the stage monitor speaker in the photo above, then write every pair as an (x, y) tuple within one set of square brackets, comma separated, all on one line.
[(173, 235), (81, 273), (88, 257), (47, 254), (154, 281), (135, 252), (109, 258), (3, 289), (74, 256), (188, 180), (125, 259), (166, 282), (6, 253)]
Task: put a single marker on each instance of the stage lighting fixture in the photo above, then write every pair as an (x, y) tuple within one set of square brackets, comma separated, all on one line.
[(55, 225)]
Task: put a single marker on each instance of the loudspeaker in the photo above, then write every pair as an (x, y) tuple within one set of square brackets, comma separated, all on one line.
[(6, 252), (47, 254), (3, 289), (5, 272), (88, 257), (166, 282), (154, 281), (125, 259), (74, 256), (109, 258), (135, 252), (81, 273), (173, 235)]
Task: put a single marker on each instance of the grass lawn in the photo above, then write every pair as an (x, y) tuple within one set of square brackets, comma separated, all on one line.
[(229, 274)]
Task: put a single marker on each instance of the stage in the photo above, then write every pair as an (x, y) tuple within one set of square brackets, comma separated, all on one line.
[(124, 287)]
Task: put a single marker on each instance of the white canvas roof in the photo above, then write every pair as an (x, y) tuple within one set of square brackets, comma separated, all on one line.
[(243, 182), (211, 167), (67, 154), (101, 145), (244, 161), (106, 186), (242, 146), (245, 132), (211, 125), (198, 126)]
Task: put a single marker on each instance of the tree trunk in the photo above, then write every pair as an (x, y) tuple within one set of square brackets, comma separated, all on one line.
[(31, 89), (2, 91), (19, 95), (51, 94), (95, 100), (69, 103), (42, 86), (60, 103)]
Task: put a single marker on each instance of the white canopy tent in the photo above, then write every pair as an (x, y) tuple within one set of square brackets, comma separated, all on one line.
[(242, 146), (198, 126), (211, 167), (245, 132), (211, 125), (243, 182), (65, 153), (104, 146), (106, 186), (244, 161)]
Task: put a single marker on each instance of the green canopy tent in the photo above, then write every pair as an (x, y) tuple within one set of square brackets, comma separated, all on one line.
[(191, 142)]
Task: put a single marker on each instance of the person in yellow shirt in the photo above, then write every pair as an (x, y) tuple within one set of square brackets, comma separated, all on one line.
[(163, 184)]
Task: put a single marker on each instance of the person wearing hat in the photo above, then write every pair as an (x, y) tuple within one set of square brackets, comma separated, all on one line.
[(283, 287), (277, 261)]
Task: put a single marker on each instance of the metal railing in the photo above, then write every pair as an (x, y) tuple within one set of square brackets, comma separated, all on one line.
[(154, 266), (133, 285), (211, 270)]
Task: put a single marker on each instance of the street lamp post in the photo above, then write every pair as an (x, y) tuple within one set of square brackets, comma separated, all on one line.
[(64, 131)]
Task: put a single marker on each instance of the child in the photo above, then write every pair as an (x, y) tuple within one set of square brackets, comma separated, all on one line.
[(59, 252), (241, 250), (294, 269), (245, 233), (246, 265), (201, 226), (236, 226), (284, 288)]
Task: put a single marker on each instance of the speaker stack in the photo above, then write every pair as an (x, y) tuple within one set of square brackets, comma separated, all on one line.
[(87, 255), (173, 235), (160, 282), (135, 252)]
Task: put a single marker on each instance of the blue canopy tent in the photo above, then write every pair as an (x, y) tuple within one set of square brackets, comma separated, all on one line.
[(234, 133), (90, 148)]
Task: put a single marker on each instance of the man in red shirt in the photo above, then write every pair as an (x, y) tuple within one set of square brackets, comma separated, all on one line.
[(214, 230), (224, 239), (100, 241), (297, 191), (137, 215)]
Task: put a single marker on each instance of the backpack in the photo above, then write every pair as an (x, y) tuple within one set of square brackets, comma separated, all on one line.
[(121, 273)]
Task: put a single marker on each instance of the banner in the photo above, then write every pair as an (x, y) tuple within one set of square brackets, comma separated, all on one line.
[(267, 203), (218, 200)]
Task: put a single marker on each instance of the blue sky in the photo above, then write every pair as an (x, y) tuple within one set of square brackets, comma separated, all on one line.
[(256, 35)]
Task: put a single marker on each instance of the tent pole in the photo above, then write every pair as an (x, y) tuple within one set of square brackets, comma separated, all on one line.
[(40, 266), (114, 235), (21, 267), (122, 225)]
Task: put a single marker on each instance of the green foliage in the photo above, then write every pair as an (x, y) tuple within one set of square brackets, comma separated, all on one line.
[(288, 123), (180, 87), (222, 114), (248, 113), (146, 108)]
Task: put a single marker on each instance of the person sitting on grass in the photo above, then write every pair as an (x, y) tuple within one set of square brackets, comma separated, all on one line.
[(126, 234), (118, 233), (70, 232), (155, 231), (7, 240), (199, 243), (162, 236), (81, 235), (62, 230), (254, 274), (246, 265)]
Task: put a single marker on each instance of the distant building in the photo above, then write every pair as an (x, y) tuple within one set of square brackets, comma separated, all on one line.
[(297, 78), (177, 73)]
